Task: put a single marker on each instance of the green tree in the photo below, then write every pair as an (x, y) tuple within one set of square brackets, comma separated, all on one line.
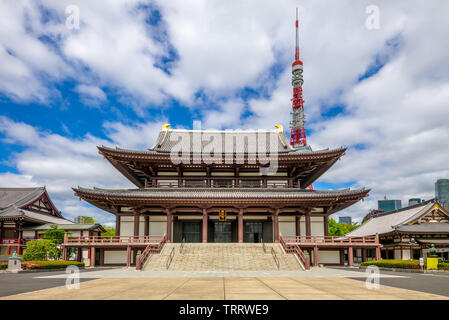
[(87, 220), (110, 231), (40, 250), (340, 229)]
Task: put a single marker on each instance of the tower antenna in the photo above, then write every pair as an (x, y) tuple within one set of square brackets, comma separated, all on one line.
[(298, 122)]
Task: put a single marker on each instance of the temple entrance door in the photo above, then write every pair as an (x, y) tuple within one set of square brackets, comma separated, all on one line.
[(191, 231), (222, 232), (253, 231)]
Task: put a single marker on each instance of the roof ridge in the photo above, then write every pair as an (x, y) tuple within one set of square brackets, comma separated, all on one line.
[(424, 203)]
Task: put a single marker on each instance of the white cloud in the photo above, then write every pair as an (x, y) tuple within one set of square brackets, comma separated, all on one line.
[(60, 163), (91, 95), (397, 118)]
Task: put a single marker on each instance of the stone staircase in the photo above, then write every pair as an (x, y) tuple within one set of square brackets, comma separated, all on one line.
[(221, 257)]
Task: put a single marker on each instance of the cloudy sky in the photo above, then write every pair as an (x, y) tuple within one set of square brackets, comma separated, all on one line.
[(381, 89)]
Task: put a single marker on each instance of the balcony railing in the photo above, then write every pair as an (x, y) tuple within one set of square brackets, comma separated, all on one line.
[(9, 242), (329, 240), (114, 240), (205, 184)]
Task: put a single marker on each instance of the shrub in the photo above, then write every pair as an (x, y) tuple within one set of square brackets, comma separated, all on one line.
[(58, 264), (443, 266), (400, 264), (40, 250), (3, 265)]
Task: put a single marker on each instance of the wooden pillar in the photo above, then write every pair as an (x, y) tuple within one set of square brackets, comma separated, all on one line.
[(350, 257), (342, 257), (326, 225), (315, 256), (240, 226), (128, 256), (363, 254), (92, 257), (79, 255), (298, 225), (102, 257), (308, 226), (169, 220), (276, 225), (117, 225), (147, 225), (205, 218), (378, 253), (64, 253), (136, 223)]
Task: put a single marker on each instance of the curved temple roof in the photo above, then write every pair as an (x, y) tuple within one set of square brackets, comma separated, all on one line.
[(150, 196)]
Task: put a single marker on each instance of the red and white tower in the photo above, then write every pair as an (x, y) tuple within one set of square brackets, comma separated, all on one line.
[(298, 122)]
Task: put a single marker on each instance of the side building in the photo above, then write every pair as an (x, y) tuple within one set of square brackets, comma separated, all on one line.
[(409, 233), (25, 213)]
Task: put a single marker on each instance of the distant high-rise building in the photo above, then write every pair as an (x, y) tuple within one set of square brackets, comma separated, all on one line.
[(413, 201), (389, 205), (442, 192), (347, 220)]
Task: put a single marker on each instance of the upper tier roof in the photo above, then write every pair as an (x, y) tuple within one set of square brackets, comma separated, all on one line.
[(303, 164), (239, 142)]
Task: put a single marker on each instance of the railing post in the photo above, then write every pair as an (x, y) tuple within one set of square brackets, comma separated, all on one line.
[(66, 238)]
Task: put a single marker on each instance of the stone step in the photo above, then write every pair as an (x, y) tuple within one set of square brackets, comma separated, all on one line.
[(222, 257)]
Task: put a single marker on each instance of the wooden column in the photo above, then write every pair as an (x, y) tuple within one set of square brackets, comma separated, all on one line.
[(102, 257), (315, 256), (240, 226), (1, 230), (64, 253), (169, 220), (308, 226), (326, 225), (298, 225), (363, 254), (79, 255), (276, 225), (378, 253), (136, 224), (205, 218), (342, 257), (92, 257), (128, 256), (147, 225), (117, 225), (350, 257)]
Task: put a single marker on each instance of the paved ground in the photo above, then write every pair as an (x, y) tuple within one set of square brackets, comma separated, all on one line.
[(222, 288), (436, 283), (13, 283), (319, 284)]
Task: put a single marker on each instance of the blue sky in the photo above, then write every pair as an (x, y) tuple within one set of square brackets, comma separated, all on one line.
[(133, 65)]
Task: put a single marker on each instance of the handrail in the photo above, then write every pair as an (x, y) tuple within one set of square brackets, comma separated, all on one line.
[(292, 240), (296, 249), (143, 257), (183, 242), (276, 260), (113, 240), (170, 258), (146, 253), (13, 241)]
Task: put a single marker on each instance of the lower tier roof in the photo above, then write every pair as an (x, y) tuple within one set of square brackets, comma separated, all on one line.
[(332, 200)]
